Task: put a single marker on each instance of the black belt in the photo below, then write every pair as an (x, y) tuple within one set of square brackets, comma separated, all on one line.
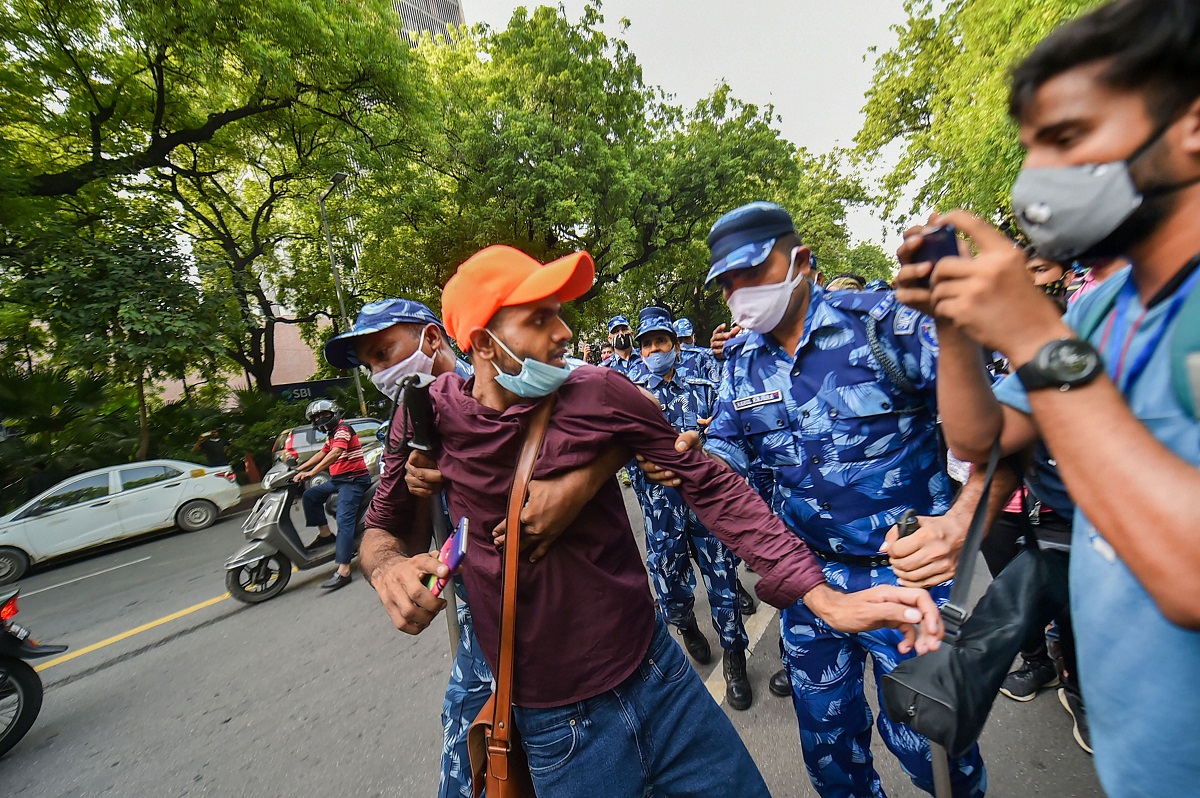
[(857, 560)]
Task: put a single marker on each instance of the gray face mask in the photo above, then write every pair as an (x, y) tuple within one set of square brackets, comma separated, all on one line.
[(1067, 211), (1095, 210)]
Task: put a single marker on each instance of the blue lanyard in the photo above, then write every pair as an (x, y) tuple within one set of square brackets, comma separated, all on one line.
[(1129, 328)]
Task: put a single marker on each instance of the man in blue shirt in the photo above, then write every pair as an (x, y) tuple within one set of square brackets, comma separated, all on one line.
[(674, 535), (836, 394), (1108, 108)]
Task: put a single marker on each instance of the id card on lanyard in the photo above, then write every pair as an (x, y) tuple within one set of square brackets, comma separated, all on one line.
[(1128, 366)]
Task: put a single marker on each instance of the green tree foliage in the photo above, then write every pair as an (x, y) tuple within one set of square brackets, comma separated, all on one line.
[(121, 298), (227, 110), (547, 138), (941, 96)]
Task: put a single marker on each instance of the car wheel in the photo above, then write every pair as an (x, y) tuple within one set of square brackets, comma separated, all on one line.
[(196, 515), (13, 565)]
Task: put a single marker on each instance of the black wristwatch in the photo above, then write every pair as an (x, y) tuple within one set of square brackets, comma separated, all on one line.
[(1063, 364)]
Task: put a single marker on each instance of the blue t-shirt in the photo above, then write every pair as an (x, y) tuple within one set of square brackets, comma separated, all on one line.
[(849, 450), (1138, 670)]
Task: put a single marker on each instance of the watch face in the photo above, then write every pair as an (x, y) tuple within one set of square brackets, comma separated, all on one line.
[(1071, 360)]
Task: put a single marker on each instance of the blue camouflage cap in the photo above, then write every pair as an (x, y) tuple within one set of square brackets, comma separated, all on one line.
[(877, 285), (743, 238), (376, 316), (617, 321), (654, 319), (684, 328)]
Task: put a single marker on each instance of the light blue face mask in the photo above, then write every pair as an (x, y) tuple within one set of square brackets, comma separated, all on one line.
[(660, 363), (535, 380)]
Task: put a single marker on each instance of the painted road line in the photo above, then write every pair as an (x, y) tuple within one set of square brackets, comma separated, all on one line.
[(126, 635), (756, 627), (143, 628), (80, 579)]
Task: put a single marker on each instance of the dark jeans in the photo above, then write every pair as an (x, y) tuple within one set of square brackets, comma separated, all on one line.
[(658, 733), (350, 492), (1001, 545)]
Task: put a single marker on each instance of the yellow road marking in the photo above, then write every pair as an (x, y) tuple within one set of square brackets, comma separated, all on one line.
[(126, 635)]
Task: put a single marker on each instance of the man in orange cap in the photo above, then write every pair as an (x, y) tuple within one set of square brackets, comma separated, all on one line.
[(600, 685)]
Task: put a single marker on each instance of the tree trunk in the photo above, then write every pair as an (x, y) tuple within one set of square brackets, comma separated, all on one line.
[(143, 450)]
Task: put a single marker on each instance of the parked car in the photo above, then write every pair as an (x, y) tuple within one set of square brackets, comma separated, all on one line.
[(301, 443), (111, 504)]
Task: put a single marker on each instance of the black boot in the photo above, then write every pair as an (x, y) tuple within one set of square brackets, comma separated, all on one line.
[(695, 642), (738, 692), (780, 685), (746, 602)]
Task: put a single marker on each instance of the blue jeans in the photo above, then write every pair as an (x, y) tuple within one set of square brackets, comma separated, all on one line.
[(350, 492), (470, 687), (659, 733)]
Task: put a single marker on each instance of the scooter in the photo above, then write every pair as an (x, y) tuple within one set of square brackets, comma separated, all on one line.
[(261, 570), (20, 687)]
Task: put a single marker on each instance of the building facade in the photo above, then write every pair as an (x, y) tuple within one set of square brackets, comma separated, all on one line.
[(435, 16)]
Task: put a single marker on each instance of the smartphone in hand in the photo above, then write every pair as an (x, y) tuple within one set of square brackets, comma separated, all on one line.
[(453, 552), (941, 242)]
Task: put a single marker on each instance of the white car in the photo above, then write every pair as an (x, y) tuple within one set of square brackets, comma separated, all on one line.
[(110, 504)]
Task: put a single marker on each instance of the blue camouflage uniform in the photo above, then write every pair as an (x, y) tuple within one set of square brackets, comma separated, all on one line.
[(631, 368), (674, 535), (697, 359), (471, 680), (470, 686), (850, 452)]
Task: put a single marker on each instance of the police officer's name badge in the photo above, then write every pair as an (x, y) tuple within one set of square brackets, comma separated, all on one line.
[(757, 400)]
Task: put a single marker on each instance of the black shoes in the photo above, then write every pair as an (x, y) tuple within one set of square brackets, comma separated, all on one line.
[(695, 642), (319, 541), (746, 602), (780, 684), (1024, 683), (335, 582), (1073, 703), (737, 685)]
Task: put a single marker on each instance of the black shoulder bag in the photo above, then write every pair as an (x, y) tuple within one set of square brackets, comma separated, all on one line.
[(946, 695)]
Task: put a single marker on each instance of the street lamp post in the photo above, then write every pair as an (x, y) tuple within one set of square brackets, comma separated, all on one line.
[(334, 181)]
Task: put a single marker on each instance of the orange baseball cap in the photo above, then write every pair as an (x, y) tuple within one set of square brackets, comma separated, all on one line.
[(501, 276)]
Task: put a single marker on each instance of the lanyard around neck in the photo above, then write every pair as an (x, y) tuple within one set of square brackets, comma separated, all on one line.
[(1129, 327)]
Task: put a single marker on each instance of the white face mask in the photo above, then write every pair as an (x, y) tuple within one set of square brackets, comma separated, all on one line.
[(762, 307), (388, 380)]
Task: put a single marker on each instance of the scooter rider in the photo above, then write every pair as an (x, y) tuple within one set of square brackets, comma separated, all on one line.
[(342, 454)]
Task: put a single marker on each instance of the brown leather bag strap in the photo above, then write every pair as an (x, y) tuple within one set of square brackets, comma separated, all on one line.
[(502, 720)]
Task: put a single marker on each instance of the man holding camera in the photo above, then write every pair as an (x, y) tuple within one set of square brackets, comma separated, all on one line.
[(1109, 114)]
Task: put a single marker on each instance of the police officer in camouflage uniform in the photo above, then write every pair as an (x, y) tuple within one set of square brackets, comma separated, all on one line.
[(698, 359), (835, 393), (393, 338), (674, 535), (624, 358)]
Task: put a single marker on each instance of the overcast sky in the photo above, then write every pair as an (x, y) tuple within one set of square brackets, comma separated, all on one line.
[(809, 58)]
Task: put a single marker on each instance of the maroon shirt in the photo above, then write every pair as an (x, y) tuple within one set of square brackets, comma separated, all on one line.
[(584, 612)]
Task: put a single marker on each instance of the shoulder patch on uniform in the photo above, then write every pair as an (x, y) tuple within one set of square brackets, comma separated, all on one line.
[(885, 305), (758, 400), (928, 335), (906, 321)]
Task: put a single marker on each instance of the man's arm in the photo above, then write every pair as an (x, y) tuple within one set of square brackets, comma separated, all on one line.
[(1142, 497), (929, 556), (394, 552), (324, 460), (552, 503), (732, 511)]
